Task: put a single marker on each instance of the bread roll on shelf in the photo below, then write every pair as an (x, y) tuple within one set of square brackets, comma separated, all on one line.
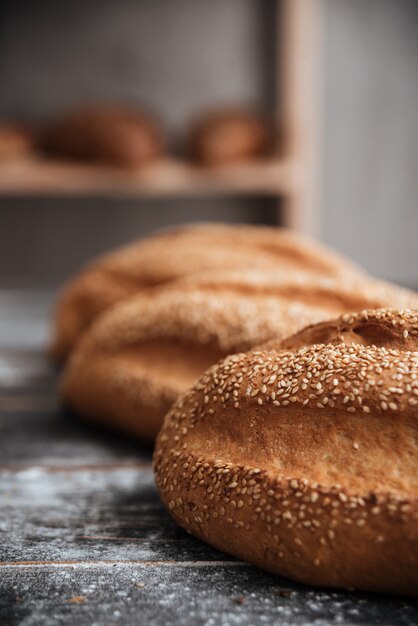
[(230, 136), (17, 141), (102, 133)]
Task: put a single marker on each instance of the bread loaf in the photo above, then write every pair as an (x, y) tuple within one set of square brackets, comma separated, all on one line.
[(302, 457), (229, 136), (171, 254), (138, 357), (16, 140), (114, 134)]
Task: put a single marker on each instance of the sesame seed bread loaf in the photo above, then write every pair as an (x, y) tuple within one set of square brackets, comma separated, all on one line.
[(305, 461), (138, 357), (171, 254)]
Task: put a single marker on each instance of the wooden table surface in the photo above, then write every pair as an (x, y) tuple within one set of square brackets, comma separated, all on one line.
[(85, 539)]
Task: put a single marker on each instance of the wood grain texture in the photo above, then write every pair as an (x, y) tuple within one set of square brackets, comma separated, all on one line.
[(48, 437), (103, 514), (119, 593), (85, 539)]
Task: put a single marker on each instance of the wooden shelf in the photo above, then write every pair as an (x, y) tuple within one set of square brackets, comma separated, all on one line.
[(165, 178), (294, 178)]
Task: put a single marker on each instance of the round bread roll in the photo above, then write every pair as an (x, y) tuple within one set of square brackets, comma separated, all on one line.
[(223, 137), (117, 135), (16, 140), (134, 362), (304, 461), (173, 253)]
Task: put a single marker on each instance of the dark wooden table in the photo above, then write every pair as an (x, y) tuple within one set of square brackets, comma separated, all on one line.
[(84, 538)]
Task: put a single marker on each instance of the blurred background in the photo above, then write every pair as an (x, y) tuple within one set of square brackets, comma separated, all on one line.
[(337, 80)]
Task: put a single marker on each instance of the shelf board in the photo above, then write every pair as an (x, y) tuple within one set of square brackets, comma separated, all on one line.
[(165, 178)]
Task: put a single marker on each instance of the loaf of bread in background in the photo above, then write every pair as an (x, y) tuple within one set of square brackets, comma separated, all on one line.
[(229, 136), (138, 357), (167, 255), (304, 461), (118, 135), (16, 140)]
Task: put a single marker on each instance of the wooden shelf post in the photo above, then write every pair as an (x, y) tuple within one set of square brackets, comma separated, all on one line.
[(298, 107)]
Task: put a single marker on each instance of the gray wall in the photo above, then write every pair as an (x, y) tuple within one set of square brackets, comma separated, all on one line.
[(370, 134), (177, 56), (44, 241)]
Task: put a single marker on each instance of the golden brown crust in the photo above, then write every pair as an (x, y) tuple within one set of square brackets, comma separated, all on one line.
[(172, 254), (139, 356), (229, 136), (304, 461), (376, 327), (117, 135)]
